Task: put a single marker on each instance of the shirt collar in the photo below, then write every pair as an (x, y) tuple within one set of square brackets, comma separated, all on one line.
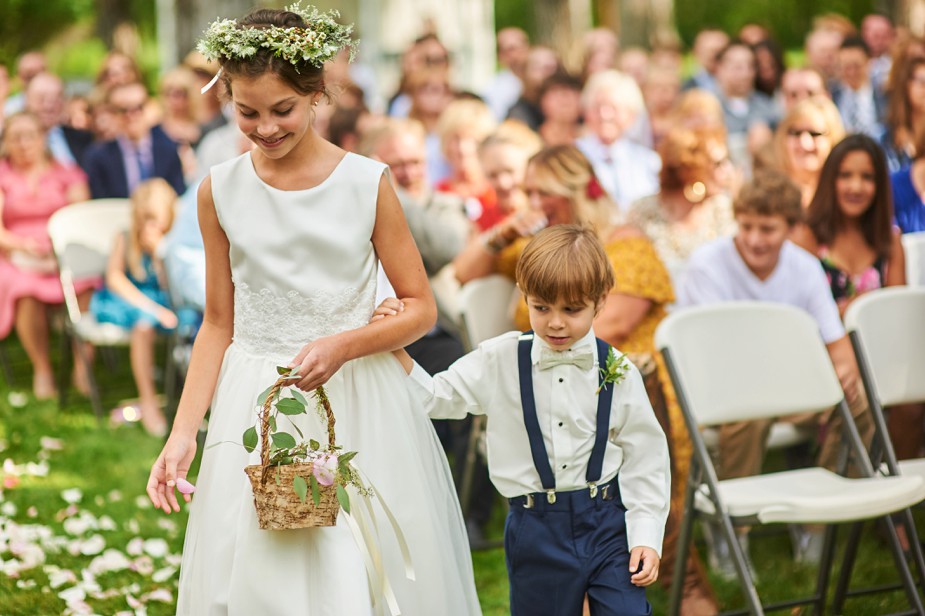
[(588, 340)]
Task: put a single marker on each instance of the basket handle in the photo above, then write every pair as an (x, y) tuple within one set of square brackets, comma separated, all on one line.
[(265, 419)]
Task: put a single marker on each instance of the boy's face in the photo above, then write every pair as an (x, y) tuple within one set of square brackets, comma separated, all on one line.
[(561, 324), (759, 241)]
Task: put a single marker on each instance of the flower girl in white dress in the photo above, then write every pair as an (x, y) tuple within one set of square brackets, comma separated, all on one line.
[(292, 232)]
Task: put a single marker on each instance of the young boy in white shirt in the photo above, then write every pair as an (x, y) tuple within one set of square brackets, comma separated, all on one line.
[(572, 440), (759, 263)]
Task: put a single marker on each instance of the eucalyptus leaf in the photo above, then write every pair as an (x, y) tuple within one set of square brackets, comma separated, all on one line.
[(316, 490), (298, 396), (343, 459), (301, 488), (313, 444), (272, 422), (263, 395), (283, 440), (290, 406), (343, 498), (250, 439), (301, 436), (283, 370)]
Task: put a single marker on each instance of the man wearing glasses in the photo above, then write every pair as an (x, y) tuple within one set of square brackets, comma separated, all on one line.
[(139, 152)]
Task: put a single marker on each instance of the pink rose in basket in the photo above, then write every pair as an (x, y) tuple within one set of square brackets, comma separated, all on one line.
[(324, 468)]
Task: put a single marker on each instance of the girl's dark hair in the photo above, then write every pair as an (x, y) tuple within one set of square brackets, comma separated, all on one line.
[(303, 77), (824, 217)]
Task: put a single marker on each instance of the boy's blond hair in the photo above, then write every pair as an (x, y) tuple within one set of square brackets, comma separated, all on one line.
[(567, 263)]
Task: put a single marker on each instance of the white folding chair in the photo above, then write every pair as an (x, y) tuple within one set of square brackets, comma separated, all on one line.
[(485, 308), (887, 330), (914, 247), (749, 360), (82, 237)]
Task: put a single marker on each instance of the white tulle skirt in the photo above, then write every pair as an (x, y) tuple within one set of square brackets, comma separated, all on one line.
[(232, 567)]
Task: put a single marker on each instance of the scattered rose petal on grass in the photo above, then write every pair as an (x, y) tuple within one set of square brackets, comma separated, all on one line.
[(133, 526), (161, 594), (73, 594), (10, 482), (8, 509), (167, 524), (26, 584), (142, 502), (51, 444), (72, 495), (135, 547), (32, 512), (143, 565), (92, 546), (17, 399), (59, 577), (39, 469), (78, 525), (110, 560), (162, 575), (108, 524), (114, 496), (156, 548)]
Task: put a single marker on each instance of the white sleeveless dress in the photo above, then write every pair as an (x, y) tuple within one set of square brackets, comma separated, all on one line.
[(304, 267)]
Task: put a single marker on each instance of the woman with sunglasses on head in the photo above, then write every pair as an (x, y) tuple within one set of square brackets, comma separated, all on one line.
[(804, 139)]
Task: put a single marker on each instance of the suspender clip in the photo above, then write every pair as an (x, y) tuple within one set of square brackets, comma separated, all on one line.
[(528, 501), (550, 496), (593, 486)]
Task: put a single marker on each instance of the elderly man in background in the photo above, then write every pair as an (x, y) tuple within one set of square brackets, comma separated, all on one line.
[(45, 100)]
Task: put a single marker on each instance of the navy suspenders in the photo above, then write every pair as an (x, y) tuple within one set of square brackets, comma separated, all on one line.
[(532, 422)]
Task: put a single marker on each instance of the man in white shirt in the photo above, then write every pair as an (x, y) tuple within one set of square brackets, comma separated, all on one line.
[(611, 102), (578, 453), (507, 84), (760, 264)]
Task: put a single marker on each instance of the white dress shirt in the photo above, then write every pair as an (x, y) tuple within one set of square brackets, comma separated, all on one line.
[(486, 382), (626, 170)]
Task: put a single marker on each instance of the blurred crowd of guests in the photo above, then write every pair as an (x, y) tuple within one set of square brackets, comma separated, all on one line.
[(647, 147)]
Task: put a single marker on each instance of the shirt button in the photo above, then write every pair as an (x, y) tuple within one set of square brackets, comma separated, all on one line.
[(564, 465), (561, 380), (560, 424)]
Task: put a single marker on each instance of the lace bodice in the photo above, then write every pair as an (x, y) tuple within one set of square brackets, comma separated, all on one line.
[(302, 262)]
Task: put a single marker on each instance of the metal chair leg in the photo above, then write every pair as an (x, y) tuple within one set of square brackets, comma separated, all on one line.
[(741, 565), (905, 573), (825, 569), (468, 477), (95, 400), (684, 540)]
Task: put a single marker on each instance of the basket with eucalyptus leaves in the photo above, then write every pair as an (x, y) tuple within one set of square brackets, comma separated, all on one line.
[(298, 484)]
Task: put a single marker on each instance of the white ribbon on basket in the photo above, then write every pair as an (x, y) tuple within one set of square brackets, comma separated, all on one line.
[(366, 540)]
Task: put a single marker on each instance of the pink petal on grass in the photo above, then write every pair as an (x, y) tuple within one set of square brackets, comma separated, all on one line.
[(185, 487)]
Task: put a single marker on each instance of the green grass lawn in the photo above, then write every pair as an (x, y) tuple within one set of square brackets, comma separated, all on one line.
[(107, 552)]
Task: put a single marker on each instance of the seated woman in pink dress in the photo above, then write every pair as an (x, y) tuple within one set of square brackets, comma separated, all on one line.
[(32, 187)]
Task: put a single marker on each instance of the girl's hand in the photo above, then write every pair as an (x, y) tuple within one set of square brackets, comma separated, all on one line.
[(390, 306), (317, 362), (32, 248), (525, 223), (648, 558), (172, 464), (167, 318)]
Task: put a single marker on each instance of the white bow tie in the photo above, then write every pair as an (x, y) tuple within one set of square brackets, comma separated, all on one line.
[(583, 359)]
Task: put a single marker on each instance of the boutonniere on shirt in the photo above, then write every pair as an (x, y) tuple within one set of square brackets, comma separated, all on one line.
[(614, 371)]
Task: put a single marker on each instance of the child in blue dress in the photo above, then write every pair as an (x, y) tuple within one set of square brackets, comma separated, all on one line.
[(135, 297), (573, 443)]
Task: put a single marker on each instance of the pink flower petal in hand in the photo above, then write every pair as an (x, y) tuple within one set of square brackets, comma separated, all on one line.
[(184, 486)]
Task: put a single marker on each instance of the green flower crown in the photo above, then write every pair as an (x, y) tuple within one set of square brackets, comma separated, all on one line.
[(319, 42)]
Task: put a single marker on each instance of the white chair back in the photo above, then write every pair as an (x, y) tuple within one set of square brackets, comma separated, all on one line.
[(485, 308), (914, 247), (82, 236), (771, 359), (890, 325)]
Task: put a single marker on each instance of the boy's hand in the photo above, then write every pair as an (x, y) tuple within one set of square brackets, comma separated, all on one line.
[(648, 573), (390, 306)]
